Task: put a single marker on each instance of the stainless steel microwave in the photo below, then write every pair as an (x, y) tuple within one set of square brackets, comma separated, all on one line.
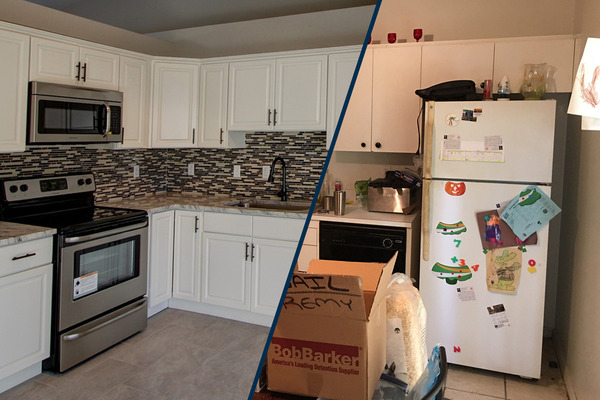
[(61, 114)]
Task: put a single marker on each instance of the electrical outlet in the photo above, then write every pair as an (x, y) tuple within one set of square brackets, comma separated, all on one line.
[(266, 170), (136, 171), (191, 169), (237, 171)]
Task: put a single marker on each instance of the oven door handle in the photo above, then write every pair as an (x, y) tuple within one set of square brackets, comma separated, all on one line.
[(87, 238), (74, 336), (107, 129)]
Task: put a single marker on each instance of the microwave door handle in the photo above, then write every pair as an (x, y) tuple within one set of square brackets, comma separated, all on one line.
[(107, 128)]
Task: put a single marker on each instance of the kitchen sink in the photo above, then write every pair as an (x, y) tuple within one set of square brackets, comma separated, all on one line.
[(271, 205)]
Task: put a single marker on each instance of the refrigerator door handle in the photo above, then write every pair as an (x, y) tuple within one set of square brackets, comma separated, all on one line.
[(428, 139), (426, 218)]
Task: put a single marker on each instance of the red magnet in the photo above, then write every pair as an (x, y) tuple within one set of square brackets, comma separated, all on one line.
[(457, 349), (532, 263), (455, 188)]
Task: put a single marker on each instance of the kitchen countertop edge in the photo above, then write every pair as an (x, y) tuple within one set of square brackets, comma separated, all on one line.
[(13, 233)]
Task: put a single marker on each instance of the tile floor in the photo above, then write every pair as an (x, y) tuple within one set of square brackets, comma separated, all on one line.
[(180, 356), (188, 356), (474, 384)]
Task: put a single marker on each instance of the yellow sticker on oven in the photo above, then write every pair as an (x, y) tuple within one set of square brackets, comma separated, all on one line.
[(85, 285)]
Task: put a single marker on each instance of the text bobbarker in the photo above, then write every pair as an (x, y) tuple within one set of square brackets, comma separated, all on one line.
[(323, 353)]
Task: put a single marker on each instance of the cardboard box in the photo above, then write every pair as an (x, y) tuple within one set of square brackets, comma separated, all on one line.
[(330, 339)]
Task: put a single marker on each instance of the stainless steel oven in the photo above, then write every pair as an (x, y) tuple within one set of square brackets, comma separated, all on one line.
[(100, 256), (70, 114)]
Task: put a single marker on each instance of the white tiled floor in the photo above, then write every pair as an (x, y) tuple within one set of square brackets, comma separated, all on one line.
[(473, 384)]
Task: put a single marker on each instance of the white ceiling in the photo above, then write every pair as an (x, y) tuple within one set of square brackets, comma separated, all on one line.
[(149, 16)]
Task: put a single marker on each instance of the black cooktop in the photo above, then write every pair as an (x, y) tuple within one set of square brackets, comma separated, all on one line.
[(65, 203)]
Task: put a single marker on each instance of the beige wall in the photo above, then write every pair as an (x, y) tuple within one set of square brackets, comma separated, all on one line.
[(467, 19), (577, 333)]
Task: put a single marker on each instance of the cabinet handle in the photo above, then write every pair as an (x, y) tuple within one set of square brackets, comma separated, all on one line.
[(84, 72), (269, 120), (221, 137), (193, 135), (274, 117), (247, 246), (378, 145), (78, 66), (15, 258), (196, 225), (252, 254), (363, 144)]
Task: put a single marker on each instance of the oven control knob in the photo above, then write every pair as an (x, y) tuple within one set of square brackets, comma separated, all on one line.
[(387, 243), (24, 188), (13, 189), (80, 182), (88, 181)]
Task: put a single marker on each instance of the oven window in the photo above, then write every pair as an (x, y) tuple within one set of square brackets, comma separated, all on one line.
[(68, 117), (107, 265)]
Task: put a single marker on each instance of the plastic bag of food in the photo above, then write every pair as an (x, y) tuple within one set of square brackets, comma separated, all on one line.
[(428, 378), (406, 352)]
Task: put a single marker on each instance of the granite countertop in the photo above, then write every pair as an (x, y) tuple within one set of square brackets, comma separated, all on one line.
[(11, 233), (183, 201)]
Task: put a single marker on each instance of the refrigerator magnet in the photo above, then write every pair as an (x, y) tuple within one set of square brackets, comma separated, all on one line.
[(452, 120), (451, 274), (451, 229), (455, 188)]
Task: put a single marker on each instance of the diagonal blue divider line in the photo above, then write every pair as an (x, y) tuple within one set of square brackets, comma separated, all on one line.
[(314, 201)]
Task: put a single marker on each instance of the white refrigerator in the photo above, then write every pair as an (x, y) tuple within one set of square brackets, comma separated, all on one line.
[(483, 289)]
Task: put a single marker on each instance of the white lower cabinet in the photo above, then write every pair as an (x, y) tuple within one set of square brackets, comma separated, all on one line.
[(26, 296), (186, 255), (226, 270), (270, 268), (160, 265)]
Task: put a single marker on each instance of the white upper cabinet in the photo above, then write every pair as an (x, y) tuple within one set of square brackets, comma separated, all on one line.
[(301, 93), (283, 94), (212, 115), (355, 132), (456, 61), (251, 94), (340, 72), (512, 55), (66, 63), (14, 53), (396, 76), (174, 104), (134, 82)]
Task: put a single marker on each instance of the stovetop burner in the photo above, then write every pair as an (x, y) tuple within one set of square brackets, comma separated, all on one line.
[(65, 203)]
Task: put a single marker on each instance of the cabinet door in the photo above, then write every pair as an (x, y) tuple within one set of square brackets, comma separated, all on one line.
[(174, 106), (511, 56), (160, 258), (134, 82), (14, 53), (396, 76), (251, 91), (340, 72), (53, 61), (186, 256), (213, 105), (25, 337), (301, 94), (355, 132), (271, 264), (226, 270), (447, 62), (100, 68)]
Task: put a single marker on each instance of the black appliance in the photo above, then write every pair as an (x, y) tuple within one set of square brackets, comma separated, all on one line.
[(100, 263), (357, 242)]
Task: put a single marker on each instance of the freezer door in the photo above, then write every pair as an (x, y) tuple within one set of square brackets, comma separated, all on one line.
[(503, 141), (457, 305)]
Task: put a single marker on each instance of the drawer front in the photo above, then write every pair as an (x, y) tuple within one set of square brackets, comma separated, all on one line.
[(277, 228), (25, 255), (311, 237), (234, 224)]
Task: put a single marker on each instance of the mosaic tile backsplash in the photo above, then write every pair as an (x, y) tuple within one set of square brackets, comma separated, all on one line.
[(166, 169)]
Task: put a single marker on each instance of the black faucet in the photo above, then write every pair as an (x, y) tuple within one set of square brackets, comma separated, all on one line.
[(283, 192)]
